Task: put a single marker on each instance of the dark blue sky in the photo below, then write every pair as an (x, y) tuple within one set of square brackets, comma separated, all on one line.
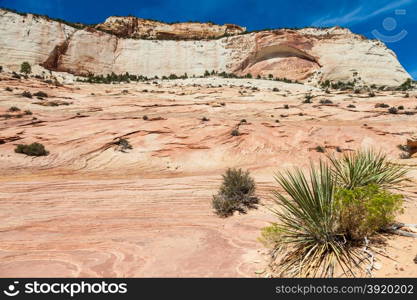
[(393, 21)]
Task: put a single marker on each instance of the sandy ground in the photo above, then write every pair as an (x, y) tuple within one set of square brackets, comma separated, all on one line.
[(88, 209)]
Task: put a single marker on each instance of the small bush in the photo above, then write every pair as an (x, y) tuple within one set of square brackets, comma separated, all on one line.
[(26, 94), (401, 107), (28, 112), (123, 145), (41, 94), (366, 210), (145, 118), (371, 94), (8, 89), (25, 68), (235, 194), (326, 101), (204, 119), (13, 109), (393, 110), (235, 132), (381, 105), (34, 149), (286, 106), (351, 106), (308, 99), (320, 149)]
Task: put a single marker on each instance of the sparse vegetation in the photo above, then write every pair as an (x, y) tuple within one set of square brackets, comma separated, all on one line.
[(235, 132), (41, 94), (351, 106), (365, 210), (393, 110), (381, 105), (123, 145), (145, 118), (326, 101), (325, 216), (8, 89), (362, 168), (235, 194), (320, 149), (204, 119), (308, 98), (28, 112), (401, 107), (34, 149), (26, 94), (13, 109), (25, 68)]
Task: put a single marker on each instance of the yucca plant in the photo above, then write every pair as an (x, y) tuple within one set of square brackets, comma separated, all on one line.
[(307, 234), (364, 167)]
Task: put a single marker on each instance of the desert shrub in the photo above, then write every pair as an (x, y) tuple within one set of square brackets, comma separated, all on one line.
[(13, 109), (351, 106), (235, 132), (307, 235), (366, 210), (362, 168), (8, 89), (275, 89), (270, 235), (320, 149), (123, 144), (381, 105), (205, 119), (371, 94), (28, 112), (393, 110), (235, 194), (145, 118), (308, 99), (15, 75), (26, 94), (326, 101), (41, 94), (25, 68), (401, 107), (34, 149), (286, 106)]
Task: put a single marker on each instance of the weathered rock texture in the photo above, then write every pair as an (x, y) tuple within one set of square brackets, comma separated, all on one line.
[(309, 54), (132, 27)]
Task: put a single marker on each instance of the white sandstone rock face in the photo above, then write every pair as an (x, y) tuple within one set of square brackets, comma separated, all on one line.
[(309, 55)]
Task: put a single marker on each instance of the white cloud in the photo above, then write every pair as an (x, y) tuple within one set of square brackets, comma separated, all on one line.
[(361, 13)]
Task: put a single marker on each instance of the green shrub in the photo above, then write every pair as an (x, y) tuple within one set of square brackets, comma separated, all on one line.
[(307, 236), (25, 68), (366, 210), (362, 168), (34, 149), (235, 194)]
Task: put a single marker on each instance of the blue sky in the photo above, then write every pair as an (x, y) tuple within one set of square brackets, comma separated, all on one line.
[(393, 21)]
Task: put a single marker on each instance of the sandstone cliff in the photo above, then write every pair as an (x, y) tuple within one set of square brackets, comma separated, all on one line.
[(132, 27), (310, 55)]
